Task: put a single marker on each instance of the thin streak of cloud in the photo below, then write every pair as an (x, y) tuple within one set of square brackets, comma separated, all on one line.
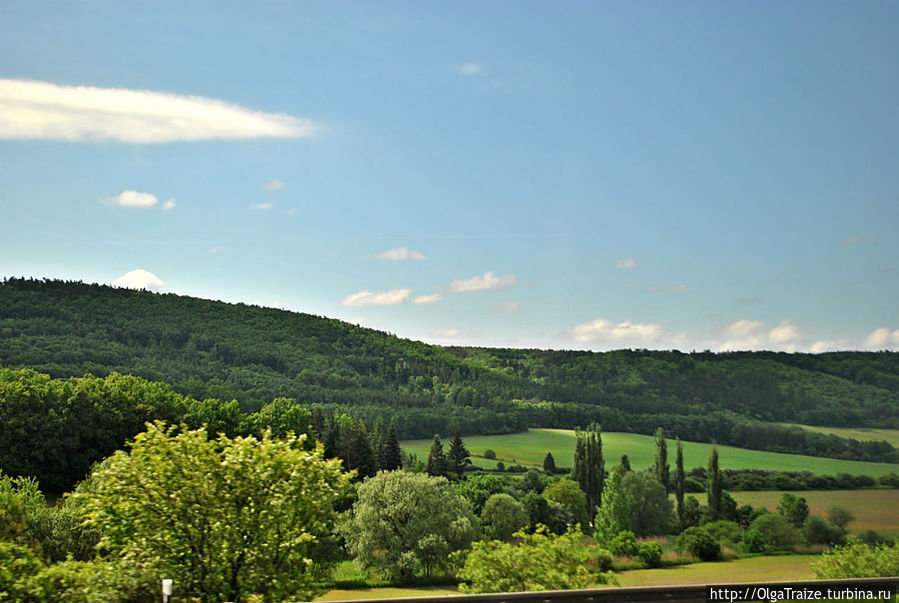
[(381, 298), (430, 298), (262, 206), (132, 199), (400, 254), (35, 110), (483, 282), (274, 186), (626, 264), (471, 69)]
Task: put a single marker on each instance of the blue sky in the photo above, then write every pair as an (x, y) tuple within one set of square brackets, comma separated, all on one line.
[(588, 175)]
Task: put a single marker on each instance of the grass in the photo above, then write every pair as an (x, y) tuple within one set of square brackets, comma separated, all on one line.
[(873, 509), (862, 434), (530, 448), (753, 569)]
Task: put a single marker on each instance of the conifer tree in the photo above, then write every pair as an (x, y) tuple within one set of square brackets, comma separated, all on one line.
[(625, 463), (457, 457), (549, 463), (714, 485), (679, 482), (361, 457), (436, 459), (661, 466), (391, 457)]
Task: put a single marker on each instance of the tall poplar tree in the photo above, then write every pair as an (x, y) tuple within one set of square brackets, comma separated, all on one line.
[(589, 466), (679, 482), (714, 485), (661, 467)]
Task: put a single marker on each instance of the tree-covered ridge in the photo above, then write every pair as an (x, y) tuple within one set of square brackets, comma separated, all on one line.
[(207, 349)]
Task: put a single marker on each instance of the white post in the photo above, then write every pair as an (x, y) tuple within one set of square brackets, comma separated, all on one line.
[(166, 589)]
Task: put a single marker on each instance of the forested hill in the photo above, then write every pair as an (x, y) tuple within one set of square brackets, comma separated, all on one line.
[(208, 349)]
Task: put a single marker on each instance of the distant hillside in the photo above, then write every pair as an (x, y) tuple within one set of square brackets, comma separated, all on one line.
[(208, 349)]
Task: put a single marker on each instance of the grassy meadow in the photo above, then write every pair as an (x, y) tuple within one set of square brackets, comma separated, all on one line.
[(530, 448), (874, 509), (862, 434)]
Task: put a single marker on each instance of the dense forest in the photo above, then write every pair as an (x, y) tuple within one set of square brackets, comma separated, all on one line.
[(242, 358)]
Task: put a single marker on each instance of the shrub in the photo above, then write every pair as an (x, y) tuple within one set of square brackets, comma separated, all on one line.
[(858, 560), (753, 541), (604, 559), (725, 531), (502, 517), (817, 530), (699, 543), (624, 544), (650, 553), (777, 531), (500, 466), (541, 561), (489, 454)]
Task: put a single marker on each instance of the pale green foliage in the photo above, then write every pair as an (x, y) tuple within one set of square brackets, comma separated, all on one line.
[(858, 560), (502, 517), (540, 561), (405, 522), (611, 516), (224, 518), (568, 494)]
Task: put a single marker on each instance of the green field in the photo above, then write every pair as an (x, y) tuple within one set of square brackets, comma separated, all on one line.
[(529, 449), (755, 569), (862, 434), (874, 509)]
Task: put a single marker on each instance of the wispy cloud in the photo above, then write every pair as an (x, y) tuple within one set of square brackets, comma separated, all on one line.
[(274, 186), (400, 254), (170, 204), (216, 249), (619, 334), (626, 264), (861, 239), (139, 279), (34, 110), (430, 298), (472, 68), (483, 282), (509, 306), (669, 289), (262, 206), (381, 298)]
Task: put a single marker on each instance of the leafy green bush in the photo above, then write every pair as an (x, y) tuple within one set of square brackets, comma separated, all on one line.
[(624, 544), (489, 454), (818, 530), (699, 543), (502, 517), (540, 561), (604, 559), (776, 531), (725, 531), (858, 560), (650, 553)]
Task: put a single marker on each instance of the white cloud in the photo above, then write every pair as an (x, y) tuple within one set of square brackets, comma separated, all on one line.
[(882, 339), (670, 289), (381, 298), (133, 199), (34, 110), (139, 279), (786, 332), (400, 254), (291, 211), (471, 69), (170, 204), (430, 298), (826, 345), (602, 331), (216, 249), (746, 334), (483, 282), (509, 306), (626, 264), (261, 206), (274, 186)]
